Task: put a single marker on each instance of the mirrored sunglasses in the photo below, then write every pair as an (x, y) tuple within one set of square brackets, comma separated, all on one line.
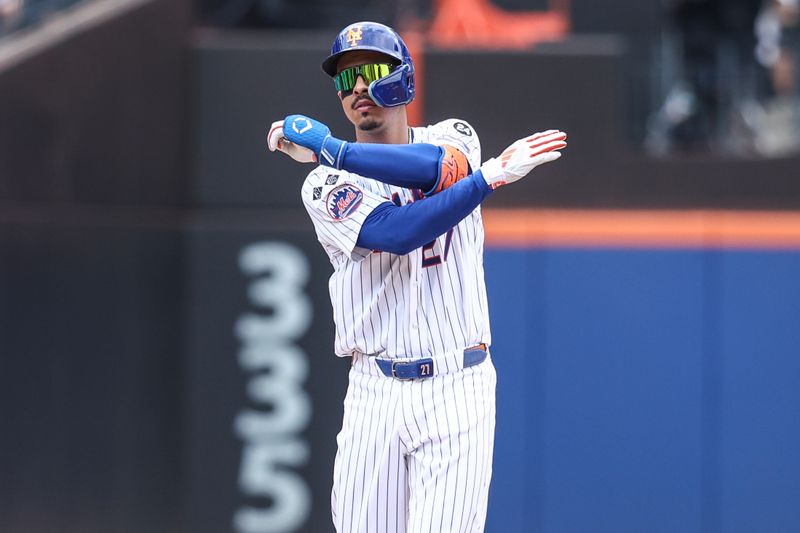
[(345, 81)]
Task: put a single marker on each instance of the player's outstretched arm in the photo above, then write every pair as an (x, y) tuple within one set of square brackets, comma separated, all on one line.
[(401, 229), (416, 166), (413, 166)]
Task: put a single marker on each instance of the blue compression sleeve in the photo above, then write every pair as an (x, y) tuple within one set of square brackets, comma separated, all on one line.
[(411, 166), (401, 229)]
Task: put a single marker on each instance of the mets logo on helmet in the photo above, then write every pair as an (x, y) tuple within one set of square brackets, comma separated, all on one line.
[(343, 201), (354, 35)]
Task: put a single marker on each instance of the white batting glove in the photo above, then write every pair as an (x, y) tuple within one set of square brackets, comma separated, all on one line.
[(276, 141), (520, 158)]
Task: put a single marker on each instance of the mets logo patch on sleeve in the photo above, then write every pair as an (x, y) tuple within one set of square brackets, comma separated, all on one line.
[(343, 201)]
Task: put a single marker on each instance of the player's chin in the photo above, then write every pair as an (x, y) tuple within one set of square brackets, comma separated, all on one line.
[(368, 122)]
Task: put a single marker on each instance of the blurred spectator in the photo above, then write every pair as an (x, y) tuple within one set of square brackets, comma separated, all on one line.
[(10, 15), (699, 29), (778, 117), (777, 32), (715, 42)]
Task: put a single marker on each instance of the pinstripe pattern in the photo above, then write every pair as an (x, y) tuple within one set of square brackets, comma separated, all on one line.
[(390, 304), (413, 456)]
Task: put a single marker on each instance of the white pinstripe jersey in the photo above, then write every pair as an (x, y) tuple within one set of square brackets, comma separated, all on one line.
[(429, 301)]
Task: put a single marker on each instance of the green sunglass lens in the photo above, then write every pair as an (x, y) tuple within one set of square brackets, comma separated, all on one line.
[(374, 72), (346, 79)]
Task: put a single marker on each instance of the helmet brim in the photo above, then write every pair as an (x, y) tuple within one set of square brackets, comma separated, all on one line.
[(329, 65)]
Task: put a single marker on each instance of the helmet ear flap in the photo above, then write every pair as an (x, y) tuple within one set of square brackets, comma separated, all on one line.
[(395, 89)]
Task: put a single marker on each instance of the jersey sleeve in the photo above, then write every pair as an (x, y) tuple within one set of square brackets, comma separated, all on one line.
[(338, 204), (458, 134)]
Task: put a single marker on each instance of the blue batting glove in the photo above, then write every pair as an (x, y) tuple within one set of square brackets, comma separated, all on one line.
[(315, 136)]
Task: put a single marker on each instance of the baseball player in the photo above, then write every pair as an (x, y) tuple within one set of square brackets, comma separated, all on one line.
[(398, 213)]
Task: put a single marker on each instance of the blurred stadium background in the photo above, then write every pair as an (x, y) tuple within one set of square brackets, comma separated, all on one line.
[(165, 328)]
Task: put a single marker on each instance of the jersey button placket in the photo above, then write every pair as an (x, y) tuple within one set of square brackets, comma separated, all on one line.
[(413, 300)]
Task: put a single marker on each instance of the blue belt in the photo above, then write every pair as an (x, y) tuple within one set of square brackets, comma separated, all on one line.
[(424, 368)]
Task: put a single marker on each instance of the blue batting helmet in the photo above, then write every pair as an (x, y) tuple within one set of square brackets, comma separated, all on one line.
[(395, 89)]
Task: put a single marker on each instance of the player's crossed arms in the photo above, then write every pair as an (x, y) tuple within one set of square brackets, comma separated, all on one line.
[(307, 140)]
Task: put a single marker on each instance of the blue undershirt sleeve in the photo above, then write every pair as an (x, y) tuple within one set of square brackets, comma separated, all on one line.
[(401, 229), (411, 166)]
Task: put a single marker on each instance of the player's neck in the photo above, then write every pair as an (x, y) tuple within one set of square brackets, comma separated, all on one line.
[(396, 134)]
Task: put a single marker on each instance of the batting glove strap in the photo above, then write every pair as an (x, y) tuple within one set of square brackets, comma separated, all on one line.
[(493, 173), (315, 136), (332, 152)]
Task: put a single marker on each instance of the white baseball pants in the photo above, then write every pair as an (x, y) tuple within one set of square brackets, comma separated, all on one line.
[(415, 456)]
